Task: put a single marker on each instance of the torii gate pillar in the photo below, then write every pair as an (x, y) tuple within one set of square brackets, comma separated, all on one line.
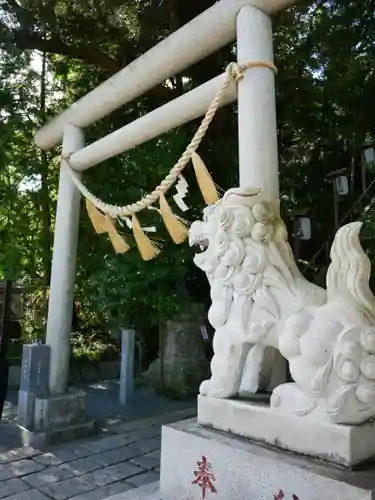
[(59, 413), (257, 130), (257, 134), (60, 307)]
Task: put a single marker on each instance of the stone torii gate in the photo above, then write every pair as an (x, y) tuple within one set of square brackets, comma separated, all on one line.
[(261, 303), (210, 31)]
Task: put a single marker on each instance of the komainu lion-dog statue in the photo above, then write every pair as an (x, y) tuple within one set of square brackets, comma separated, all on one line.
[(260, 300)]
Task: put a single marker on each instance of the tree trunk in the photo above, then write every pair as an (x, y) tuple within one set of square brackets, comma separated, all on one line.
[(45, 208)]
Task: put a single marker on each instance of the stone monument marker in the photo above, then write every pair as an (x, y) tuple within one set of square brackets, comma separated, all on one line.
[(33, 382), (127, 365)]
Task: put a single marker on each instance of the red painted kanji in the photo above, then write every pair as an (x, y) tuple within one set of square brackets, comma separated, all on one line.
[(281, 496), (204, 477)]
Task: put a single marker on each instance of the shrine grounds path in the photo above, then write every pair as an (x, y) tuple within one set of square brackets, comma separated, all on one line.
[(124, 455)]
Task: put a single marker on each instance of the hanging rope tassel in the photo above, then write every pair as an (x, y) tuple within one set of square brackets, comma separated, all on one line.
[(176, 228), (204, 179), (97, 208), (96, 217), (118, 242), (146, 247)]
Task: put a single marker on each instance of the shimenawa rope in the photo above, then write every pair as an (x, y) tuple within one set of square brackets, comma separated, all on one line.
[(234, 71)]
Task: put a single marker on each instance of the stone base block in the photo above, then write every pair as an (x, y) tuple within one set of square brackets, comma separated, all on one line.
[(40, 440), (343, 444), (25, 408), (60, 411), (56, 419), (196, 462)]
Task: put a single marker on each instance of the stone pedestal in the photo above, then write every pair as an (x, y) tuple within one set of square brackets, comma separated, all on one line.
[(239, 469), (45, 419), (343, 444), (196, 460), (56, 418)]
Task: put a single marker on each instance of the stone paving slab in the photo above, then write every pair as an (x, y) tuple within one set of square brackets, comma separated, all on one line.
[(145, 462), (5, 473), (148, 492), (81, 466), (105, 492), (107, 443), (62, 454), (112, 457), (147, 445), (143, 479), (142, 434), (47, 476), (12, 487), (113, 473), (92, 469), (29, 495), (23, 467), (154, 454), (18, 454), (48, 459), (67, 488)]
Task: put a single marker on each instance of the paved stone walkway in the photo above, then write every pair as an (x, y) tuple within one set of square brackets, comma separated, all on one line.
[(103, 403), (103, 406), (126, 456)]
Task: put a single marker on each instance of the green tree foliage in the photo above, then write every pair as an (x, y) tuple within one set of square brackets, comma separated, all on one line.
[(326, 52), (21, 164)]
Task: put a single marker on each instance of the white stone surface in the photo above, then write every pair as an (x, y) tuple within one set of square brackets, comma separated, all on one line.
[(344, 444), (60, 307), (244, 471), (254, 284), (213, 29), (257, 130), (260, 300), (191, 105)]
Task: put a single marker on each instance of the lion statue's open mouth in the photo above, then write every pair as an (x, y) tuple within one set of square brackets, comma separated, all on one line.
[(198, 236), (199, 230)]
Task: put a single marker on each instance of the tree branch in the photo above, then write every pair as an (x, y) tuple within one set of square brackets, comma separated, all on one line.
[(30, 41)]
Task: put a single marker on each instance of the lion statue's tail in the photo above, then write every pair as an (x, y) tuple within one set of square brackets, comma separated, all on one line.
[(349, 272)]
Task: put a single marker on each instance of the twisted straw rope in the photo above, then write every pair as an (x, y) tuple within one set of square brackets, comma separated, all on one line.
[(235, 72)]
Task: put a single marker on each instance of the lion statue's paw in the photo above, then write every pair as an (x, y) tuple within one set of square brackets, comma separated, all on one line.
[(210, 389), (289, 398)]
